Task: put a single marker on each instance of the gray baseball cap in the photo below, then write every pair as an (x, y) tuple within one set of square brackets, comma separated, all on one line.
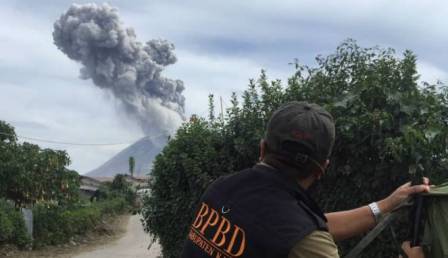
[(299, 131)]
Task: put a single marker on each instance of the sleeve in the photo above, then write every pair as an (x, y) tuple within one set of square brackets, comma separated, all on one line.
[(318, 244)]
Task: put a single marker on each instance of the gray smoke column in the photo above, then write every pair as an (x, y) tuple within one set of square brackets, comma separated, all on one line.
[(113, 58)]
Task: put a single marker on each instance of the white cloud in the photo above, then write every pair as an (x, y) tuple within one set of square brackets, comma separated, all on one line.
[(431, 73)]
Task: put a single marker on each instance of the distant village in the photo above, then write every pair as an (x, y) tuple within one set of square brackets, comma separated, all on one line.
[(90, 185)]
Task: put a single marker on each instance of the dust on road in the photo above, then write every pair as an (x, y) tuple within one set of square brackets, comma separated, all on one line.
[(134, 243)]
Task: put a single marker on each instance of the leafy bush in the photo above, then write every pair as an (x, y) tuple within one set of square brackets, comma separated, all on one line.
[(58, 224), (119, 183), (121, 187), (389, 129), (113, 206), (118, 188), (30, 173), (12, 226), (179, 180)]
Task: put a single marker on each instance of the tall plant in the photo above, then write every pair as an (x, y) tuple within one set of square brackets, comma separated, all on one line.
[(131, 165)]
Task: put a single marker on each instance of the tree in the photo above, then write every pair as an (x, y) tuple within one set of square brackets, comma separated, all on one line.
[(389, 129), (30, 174), (8, 146), (119, 183), (180, 180), (121, 187), (131, 165), (7, 133)]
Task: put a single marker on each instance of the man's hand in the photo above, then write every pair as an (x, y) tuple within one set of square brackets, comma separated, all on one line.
[(412, 252), (401, 194), (345, 224)]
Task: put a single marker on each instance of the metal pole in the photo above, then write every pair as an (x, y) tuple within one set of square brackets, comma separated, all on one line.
[(356, 251), (416, 217)]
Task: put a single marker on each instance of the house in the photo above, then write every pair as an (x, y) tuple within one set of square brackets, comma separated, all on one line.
[(88, 186), (137, 182)]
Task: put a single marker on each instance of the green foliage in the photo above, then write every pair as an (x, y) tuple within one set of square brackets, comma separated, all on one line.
[(7, 133), (118, 188), (122, 188), (8, 144), (30, 174), (388, 128), (12, 226), (113, 206), (39, 177), (119, 183), (179, 180), (58, 224)]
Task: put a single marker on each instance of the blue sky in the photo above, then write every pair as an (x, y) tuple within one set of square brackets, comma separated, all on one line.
[(219, 45)]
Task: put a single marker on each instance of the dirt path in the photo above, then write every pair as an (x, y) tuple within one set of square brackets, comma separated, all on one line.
[(133, 243), (122, 237)]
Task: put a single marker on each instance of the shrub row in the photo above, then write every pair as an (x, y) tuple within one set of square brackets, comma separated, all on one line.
[(12, 226), (57, 225)]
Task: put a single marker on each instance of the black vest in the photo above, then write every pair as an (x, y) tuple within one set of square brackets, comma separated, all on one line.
[(257, 213)]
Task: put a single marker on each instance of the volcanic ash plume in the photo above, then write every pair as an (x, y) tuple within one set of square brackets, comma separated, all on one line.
[(113, 58)]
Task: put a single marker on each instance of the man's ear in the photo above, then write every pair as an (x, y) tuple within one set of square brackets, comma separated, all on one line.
[(262, 149), (319, 173)]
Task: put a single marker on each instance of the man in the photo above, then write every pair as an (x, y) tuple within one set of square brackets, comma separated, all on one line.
[(265, 211)]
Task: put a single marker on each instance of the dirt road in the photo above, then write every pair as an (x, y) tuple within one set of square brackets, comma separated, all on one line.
[(133, 243)]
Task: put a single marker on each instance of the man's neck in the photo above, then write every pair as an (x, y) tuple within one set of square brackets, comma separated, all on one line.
[(304, 183)]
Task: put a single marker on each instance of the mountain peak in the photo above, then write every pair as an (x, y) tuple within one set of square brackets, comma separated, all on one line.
[(144, 152)]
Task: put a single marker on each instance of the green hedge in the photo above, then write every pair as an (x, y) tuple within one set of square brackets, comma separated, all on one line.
[(113, 206), (57, 225), (12, 226), (389, 129)]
